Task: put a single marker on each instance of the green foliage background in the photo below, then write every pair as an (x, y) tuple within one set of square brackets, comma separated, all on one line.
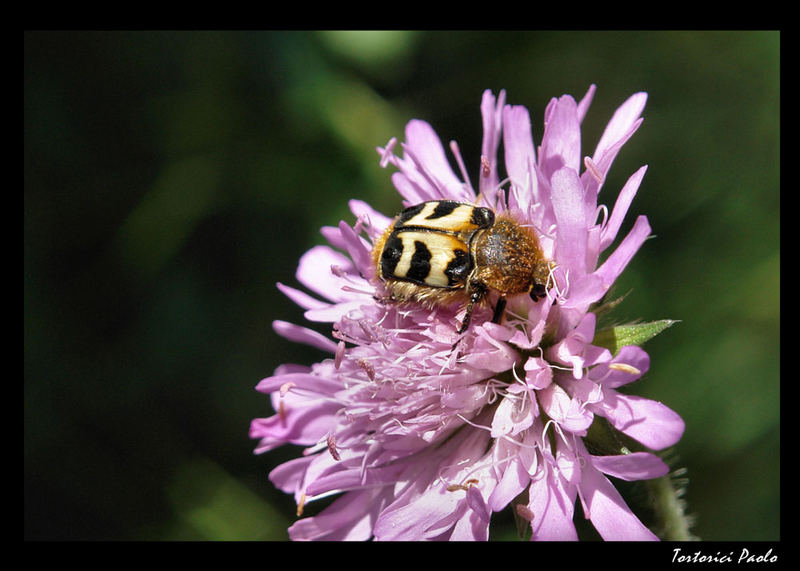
[(171, 178)]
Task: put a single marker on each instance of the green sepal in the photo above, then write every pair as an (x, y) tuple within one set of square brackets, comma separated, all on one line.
[(603, 306), (614, 338)]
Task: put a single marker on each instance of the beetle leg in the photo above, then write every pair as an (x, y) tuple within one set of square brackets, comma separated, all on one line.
[(477, 295), (478, 291), (499, 309)]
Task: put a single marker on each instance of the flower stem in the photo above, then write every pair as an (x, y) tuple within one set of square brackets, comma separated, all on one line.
[(669, 507)]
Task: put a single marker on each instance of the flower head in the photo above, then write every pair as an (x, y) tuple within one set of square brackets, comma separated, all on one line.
[(420, 441)]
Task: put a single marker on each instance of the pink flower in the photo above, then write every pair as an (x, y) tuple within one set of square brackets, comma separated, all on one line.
[(419, 441)]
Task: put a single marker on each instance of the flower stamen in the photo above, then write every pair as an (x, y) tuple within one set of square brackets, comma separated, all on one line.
[(339, 355), (486, 166), (465, 486), (524, 512), (387, 153), (592, 169), (625, 368), (461, 166), (332, 447), (367, 367)]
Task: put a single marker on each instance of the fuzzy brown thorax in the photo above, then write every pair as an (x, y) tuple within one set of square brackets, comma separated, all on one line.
[(507, 257)]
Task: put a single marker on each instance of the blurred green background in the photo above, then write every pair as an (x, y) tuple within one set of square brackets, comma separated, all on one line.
[(171, 178)]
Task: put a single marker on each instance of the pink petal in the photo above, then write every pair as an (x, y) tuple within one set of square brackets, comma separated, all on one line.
[(567, 412), (425, 149), (620, 127), (410, 191), (583, 291), (301, 298), (623, 125), (610, 515), (585, 391), (346, 519), (561, 142), (333, 312), (514, 480), (576, 350), (364, 211), (630, 356), (621, 208), (648, 421), (492, 116), (520, 156), (296, 425), (299, 334), (475, 526), (356, 477), (619, 259), (538, 373), (552, 506), (635, 466), (419, 519), (489, 353), (584, 104), (288, 476), (333, 236), (463, 397), (512, 416), (568, 207), (530, 338), (319, 384), (314, 272), (360, 251)]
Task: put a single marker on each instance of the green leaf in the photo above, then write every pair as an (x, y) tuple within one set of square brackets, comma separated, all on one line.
[(614, 338)]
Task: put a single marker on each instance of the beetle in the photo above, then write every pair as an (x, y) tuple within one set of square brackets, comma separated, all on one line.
[(440, 252)]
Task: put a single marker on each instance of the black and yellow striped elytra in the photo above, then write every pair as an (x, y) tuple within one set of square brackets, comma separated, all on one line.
[(442, 252), (429, 243)]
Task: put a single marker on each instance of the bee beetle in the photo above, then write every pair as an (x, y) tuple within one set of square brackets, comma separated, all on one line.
[(441, 252)]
